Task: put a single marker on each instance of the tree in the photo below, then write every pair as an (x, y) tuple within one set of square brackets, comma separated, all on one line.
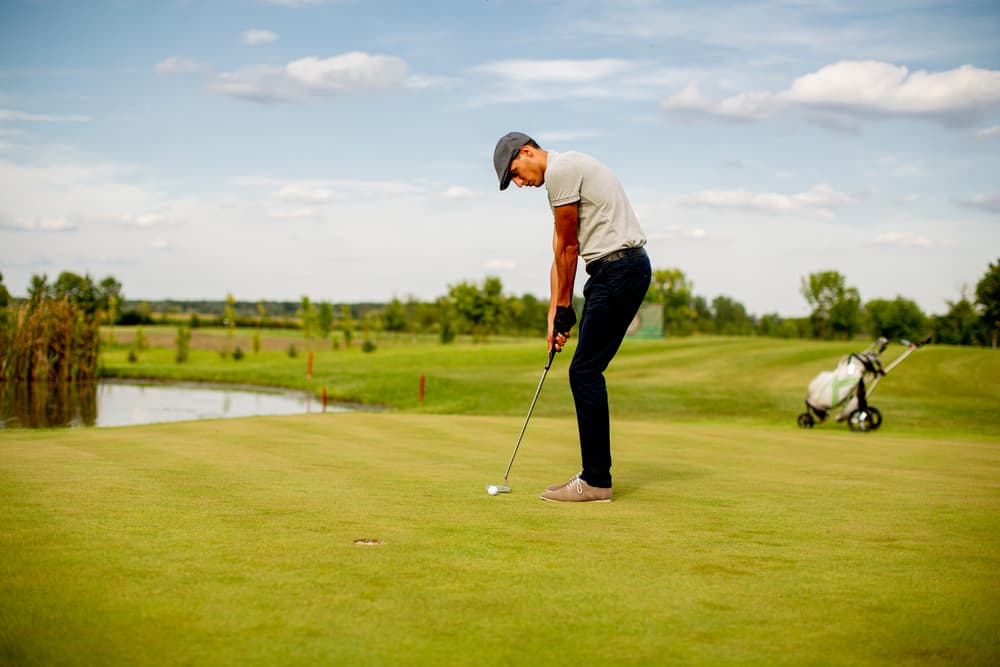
[(479, 307), (229, 317), (79, 290), (39, 288), (307, 314), (988, 298), (836, 307), (4, 294), (961, 325), (731, 317), (324, 319), (110, 295), (395, 316), (899, 318), (671, 288)]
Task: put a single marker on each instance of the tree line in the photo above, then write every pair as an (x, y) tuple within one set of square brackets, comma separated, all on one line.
[(480, 310)]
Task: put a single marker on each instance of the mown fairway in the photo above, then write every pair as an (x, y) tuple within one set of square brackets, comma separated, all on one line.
[(734, 538)]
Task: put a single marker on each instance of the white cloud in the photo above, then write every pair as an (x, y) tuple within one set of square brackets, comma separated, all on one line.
[(174, 65), (908, 240), (988, 133), (819, 200), (149, 220), (568, 135), (54, 224), (427, 82), (681, 233), (305, 213), (989, 203), (555, 71), (845, 92), (353, 73), (23, 116), (457, 192), (160, 244), (255, 37), (299, 194), (500, 265)]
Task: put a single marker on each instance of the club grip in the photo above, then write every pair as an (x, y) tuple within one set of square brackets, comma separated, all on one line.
[(552, 355)]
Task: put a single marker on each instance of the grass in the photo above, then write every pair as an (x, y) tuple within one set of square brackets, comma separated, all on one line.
[(232, 542), (734, 539)]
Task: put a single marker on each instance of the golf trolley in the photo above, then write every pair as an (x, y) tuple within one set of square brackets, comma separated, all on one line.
[(846, 389)]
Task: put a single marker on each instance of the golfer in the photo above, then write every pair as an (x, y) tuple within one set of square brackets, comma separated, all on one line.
[(593, 220)]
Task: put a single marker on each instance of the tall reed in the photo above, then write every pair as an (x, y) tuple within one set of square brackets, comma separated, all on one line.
[(50, 340)]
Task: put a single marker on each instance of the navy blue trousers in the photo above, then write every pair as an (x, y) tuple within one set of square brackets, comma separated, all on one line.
[(613, 294)]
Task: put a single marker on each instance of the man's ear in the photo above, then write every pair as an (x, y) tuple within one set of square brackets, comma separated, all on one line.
[(527, 151)]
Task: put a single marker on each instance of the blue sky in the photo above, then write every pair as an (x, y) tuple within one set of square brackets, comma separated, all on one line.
[(343, 149)]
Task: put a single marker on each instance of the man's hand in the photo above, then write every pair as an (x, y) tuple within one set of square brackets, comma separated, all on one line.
[(560, 323), (564, 319)]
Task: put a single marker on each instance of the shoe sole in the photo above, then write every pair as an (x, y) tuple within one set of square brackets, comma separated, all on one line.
[(595, 500)]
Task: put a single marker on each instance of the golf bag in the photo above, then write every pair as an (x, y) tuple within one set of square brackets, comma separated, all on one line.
[(844, 391)]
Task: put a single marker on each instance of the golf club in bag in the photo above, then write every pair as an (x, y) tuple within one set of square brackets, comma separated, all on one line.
[(494, 489), (844, 391)]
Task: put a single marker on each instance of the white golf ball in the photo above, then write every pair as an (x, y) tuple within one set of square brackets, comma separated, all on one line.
[(492, 490)]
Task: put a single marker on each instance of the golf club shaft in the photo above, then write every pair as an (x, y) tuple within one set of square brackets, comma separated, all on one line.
[(552, 354)]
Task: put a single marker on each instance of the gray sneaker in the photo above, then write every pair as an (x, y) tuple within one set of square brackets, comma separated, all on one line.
[(578, 491)]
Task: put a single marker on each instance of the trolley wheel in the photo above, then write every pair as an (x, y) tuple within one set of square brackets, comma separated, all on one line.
[(806, 420), (876, 417), (862, 421)]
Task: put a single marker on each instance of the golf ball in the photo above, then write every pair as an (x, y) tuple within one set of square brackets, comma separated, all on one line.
[(492, 490)]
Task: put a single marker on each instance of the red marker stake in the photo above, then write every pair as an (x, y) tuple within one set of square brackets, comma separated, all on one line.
[(422, 382)]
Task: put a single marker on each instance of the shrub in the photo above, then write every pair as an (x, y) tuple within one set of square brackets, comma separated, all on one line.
[(183, 341), (132, 357), (292, 352), (256, 343), (368, 346), (237, 353)]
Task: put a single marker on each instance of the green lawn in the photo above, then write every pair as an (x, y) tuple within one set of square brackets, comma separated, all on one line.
[(734, 539)]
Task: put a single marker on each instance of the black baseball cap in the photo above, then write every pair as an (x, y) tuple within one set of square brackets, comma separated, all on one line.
[(506, 150)]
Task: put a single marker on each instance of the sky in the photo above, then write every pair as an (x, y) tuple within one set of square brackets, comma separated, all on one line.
[(342, 149)]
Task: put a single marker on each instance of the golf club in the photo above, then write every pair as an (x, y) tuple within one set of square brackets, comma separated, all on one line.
[(494, 489)]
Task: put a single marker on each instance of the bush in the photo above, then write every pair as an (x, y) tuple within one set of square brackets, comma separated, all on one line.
[(237, 353), (183, 341), (132, 357), (292, 352), (256, 343), (447, 332), (368, 346), (133, 318)]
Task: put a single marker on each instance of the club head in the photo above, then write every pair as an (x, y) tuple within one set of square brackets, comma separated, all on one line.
[(494, 489)]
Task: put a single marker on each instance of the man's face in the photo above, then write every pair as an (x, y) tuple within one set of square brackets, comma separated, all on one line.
[(526, 169)]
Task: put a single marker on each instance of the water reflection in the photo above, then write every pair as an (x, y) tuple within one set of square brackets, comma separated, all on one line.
[(25, 405), (47, 405)]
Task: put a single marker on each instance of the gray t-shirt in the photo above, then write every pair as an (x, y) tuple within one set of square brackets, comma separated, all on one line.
[(607, 221)]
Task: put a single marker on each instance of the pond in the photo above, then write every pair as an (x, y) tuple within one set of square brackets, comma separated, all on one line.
[(118, 403)]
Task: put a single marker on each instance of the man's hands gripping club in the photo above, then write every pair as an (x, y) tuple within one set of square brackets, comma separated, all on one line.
[(560, 326)]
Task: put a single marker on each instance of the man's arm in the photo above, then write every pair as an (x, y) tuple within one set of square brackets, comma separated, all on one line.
[(566, 251)]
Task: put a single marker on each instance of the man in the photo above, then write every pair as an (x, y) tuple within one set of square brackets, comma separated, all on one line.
[(593, 220)]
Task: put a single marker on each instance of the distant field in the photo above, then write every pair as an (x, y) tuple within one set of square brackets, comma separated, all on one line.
[(736, 379), (735, 538)]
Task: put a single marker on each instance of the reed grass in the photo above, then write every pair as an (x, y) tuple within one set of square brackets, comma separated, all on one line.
[(50, 340)]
